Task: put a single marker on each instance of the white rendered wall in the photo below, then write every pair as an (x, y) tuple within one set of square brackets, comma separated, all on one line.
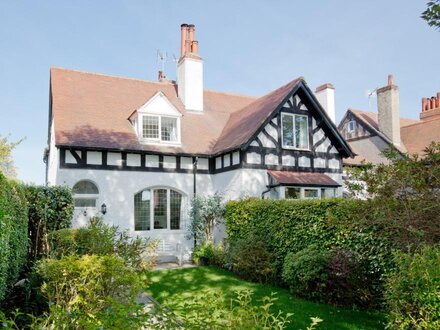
[(53, 159), (190, 83), (117, 190)]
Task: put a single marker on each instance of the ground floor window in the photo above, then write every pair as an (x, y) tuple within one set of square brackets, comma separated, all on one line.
[(309, 192), (85, 194), (157, 208)]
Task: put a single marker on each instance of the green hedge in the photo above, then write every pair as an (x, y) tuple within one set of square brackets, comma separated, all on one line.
[(50, 209), (13, 233), (288, 226)]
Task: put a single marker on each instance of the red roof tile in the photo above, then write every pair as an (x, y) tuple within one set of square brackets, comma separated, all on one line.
[(303, 179)]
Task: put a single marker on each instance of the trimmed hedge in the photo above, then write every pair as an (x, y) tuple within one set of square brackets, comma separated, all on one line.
[(291, 226), (13, 233), (50, 209)]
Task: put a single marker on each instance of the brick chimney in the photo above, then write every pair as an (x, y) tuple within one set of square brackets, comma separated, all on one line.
[(190, 70), (430, 107), (389, 112), (326, 96)]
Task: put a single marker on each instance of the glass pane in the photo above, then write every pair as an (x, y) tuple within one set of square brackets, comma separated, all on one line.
[(310, 193), (160, 208), (293, 193), (85, 202), (169, 129), (85, 187), (150, 127), (301, 132), (175, 205), (287, 130), (142, 210)]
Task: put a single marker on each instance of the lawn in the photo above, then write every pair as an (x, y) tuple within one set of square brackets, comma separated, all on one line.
[(174, 286)]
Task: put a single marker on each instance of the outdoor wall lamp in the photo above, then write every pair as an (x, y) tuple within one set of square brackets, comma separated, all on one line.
[(103, 209)]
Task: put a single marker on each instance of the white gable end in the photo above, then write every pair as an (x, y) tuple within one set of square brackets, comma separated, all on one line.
[(159, 105)]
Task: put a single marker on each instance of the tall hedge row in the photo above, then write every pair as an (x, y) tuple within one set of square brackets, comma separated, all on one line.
[(291, 226), (50, 209), (13, 232)]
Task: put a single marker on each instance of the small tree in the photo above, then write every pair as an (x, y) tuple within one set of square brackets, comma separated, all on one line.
[(404, 196), (205, 213), (6, 162), (432, 14)]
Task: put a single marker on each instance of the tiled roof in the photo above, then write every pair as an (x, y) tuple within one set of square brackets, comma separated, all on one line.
[(370, 118), (303, 179), (415, 135), (245, 122), (92, 110)]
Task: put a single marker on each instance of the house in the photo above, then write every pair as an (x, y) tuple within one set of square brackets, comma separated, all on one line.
[(370, 133), (139, 150)]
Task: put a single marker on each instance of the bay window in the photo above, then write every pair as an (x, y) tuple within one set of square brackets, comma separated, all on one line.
[(295, 131)]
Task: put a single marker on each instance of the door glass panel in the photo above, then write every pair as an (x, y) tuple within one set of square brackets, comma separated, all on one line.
[(142, 210), (160, 208), (175, 208)]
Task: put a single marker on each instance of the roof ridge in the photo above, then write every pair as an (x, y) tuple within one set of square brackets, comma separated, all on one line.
[(230, 93), (375, 113), (110, 75)]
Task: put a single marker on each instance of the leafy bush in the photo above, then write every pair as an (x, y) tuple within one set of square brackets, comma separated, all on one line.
[(347, 281), (101, 239), (249, 259), (305, 272), (50, 208), (13, 233), (413, 290), (209, 254)]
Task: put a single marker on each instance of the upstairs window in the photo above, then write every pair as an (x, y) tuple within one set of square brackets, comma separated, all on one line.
[(160, 128), (85, 194), (295, 131), (351, 126)]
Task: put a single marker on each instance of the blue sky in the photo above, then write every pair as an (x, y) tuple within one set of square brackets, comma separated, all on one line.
[(249, 47)]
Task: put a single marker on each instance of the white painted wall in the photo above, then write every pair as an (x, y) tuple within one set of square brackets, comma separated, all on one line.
[(190, 83), (54, 158)]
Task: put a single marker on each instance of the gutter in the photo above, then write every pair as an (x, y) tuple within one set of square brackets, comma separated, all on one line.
[(269, 188)]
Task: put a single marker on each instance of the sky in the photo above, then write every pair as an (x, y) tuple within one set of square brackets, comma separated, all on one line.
[(248, 47)]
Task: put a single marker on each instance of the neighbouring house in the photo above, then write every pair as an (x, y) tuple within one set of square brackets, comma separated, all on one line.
[(139, 150), (369, 133)]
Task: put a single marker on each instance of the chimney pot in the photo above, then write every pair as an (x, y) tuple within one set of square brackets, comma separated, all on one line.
[(423, 104), (433, 102), (390, 79), (195, 47), (183, 37)]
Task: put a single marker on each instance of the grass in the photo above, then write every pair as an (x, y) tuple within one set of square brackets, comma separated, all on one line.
[(174, 286)]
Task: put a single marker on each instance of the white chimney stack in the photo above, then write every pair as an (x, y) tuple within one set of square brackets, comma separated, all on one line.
[(326, 96), (190, 71), (389, 112)]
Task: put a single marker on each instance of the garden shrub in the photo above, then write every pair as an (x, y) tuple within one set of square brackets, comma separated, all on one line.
[(412, 291), (101, 239), (347, 280), (209, 254), (50, 208), (248, 258), (305, 272), (13, 233)]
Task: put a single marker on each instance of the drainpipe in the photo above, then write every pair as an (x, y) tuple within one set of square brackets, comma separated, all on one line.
[(269, 188), (196, 159)]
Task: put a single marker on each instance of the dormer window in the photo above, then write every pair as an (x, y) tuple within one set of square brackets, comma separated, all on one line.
[(159, 128), (157, 121)]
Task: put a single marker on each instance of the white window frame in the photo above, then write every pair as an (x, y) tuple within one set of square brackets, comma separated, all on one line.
[(159, 139), (168, 189), (294, 136), (94, 197), (302, 195)]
